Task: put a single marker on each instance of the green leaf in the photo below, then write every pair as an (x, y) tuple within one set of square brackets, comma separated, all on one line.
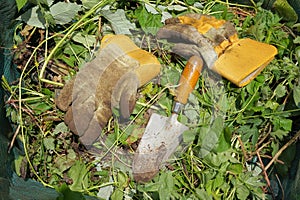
[(60, 128), (150, 23), (122, 180), (117, 194), (88, 4), (189, 2), (189, 136), (235, 168), (40, 107), (203, 194), (18, 162), (119, 21), (21, 3), (176, 7), (151, 8), (64, 162), (297, 53), (282, 123), (224, 141), (68, 194), (242, 192), (219, 181), (80, 176), (166, 185), (85, 40), (209, 137), (279, 134), (34, 17), (285, 10), (280, 91), (297, 40), (64, 12), (149, 187), (49, 143), (296, 95)]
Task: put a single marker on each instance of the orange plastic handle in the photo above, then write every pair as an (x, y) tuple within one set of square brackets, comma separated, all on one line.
[(188, 79)]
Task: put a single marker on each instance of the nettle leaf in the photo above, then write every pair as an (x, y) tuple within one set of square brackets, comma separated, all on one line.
[(64, 12), (150, 23), (282, 123), (279, 134)]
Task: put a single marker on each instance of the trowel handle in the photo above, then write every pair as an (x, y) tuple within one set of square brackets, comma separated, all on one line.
[(188, 79)]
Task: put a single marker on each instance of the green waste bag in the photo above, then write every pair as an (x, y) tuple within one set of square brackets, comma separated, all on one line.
[(13, 187)]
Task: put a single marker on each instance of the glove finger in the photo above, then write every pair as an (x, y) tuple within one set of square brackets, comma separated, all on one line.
[(110, 78), (128, 97), (180, 33), (206, 52), (186, 35), (186, 50), (91, 134), (69, 120), (64, 99)]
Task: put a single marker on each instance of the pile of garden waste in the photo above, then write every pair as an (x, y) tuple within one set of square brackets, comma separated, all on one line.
[(242, 142)]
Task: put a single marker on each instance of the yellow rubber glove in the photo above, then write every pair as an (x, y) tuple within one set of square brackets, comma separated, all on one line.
[(217, 42)]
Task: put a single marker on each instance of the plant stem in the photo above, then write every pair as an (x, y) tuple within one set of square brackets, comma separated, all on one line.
[(266, 115), (296, 136)]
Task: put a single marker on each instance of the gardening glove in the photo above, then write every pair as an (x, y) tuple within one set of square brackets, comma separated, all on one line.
[(217, 42), (110, 81)]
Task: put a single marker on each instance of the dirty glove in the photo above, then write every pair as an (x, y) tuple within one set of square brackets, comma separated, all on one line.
[(216, 41), (107, 82)]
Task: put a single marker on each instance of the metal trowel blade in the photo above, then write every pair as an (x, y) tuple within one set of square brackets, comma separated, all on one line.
[(161, 138)]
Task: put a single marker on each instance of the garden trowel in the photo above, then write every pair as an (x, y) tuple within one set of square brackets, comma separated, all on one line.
[(164, 134)]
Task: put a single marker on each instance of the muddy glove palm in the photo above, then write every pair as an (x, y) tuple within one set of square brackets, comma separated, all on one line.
[(109, 81)]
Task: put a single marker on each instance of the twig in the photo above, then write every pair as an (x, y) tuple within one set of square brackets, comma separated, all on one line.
[(279, 182), (270, 157), (13, 139), (282, 149), (265, 173), (263, 146), (243, 148)]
